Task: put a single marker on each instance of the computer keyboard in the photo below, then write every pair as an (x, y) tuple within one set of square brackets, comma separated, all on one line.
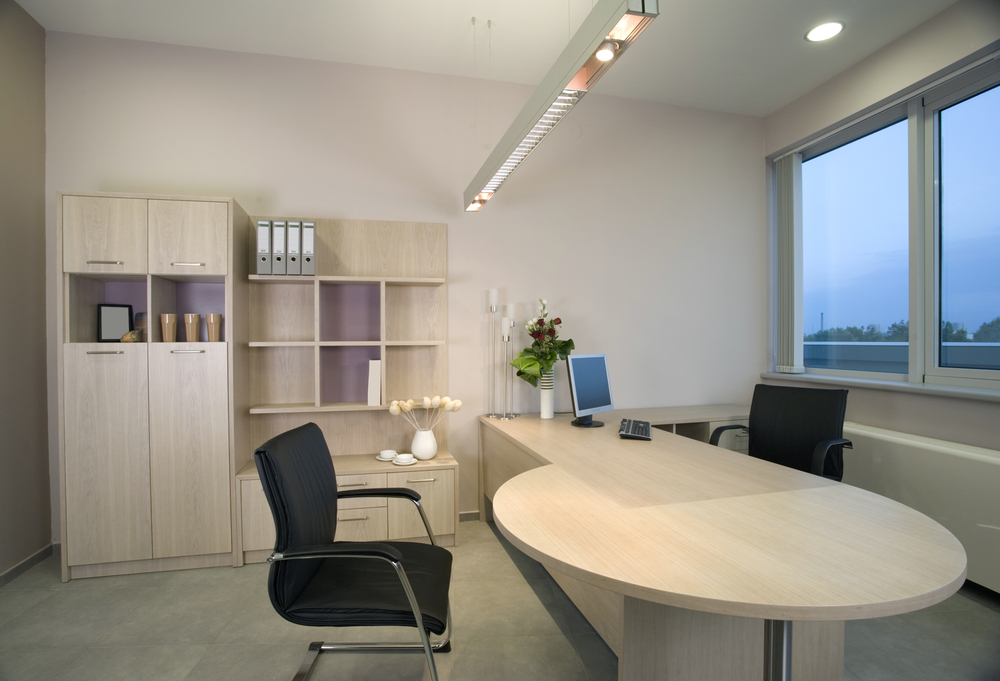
[(634, 430)]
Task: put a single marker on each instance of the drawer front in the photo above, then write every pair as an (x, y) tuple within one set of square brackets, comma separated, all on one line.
[(346, 483), (361, 524), (437, 496)]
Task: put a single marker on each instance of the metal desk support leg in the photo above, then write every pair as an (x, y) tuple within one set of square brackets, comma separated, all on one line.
[(777, 650)]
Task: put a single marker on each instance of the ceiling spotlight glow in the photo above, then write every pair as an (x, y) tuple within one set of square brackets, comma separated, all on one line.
[(607, 50), (824, 31)]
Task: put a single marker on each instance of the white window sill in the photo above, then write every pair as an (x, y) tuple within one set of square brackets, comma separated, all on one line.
[(894, 386)]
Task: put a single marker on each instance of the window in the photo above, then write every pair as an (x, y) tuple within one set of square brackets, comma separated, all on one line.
[(888, 242), (969, 172), (855, 243)]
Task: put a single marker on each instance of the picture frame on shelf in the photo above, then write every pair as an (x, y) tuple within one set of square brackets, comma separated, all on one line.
[(113, 322)]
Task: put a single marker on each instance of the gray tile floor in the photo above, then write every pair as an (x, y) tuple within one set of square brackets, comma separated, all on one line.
[(511, 621)]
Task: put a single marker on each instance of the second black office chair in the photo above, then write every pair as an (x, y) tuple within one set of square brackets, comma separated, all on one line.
[(801, 428), (318, 582)]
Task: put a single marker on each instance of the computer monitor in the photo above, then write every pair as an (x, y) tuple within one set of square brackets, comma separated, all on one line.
[(590, 388)]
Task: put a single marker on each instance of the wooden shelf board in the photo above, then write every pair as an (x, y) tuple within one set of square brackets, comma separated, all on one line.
[(405, 343), (347, 344), (281, 344), (309, 407), (390, 281), (282, 279)]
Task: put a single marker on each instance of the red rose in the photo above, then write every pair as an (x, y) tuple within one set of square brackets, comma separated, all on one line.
[(541, 321), (552, 332), (557, 321)]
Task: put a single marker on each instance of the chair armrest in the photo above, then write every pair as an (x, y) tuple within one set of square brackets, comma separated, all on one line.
[(340, 550), (391, 492), (717, 433), (821, 450)]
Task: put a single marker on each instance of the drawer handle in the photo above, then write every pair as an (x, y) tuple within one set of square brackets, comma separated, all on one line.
[(743, 433), (424, 480), (187, 352), (187, 264), (105, 262), (105, 352), (354, 484), (350, 520)]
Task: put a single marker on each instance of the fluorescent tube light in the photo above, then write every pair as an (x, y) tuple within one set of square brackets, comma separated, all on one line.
[(577, 69)]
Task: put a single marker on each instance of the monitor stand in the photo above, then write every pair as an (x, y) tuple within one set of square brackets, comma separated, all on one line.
[(587, 422)]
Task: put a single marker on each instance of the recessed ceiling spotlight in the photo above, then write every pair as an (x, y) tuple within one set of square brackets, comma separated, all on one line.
[(824, 31)]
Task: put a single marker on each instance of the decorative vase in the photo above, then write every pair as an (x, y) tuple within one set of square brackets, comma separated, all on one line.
[(546, 383), (424, 445)]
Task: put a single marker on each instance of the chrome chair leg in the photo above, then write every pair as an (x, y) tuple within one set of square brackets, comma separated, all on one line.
[(306, 668)]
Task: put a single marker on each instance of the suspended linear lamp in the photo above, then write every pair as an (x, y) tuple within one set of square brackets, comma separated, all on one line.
[(610, 27)]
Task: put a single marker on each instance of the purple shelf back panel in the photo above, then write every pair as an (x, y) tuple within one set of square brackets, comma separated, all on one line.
[(344, 373), (349, 313), (199, 298), (126, 293)]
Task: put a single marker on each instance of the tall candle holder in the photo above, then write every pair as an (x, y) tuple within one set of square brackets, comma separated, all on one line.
[(493, 360)]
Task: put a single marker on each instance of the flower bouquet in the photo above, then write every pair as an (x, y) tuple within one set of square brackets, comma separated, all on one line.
[(424, 443), (532, 362)]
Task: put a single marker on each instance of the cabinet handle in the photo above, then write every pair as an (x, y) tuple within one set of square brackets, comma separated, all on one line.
[(105, 352), (743, 433), (350, 520), (187, 352), (354, 484), (424, 480), (105, 262), (187, 264)]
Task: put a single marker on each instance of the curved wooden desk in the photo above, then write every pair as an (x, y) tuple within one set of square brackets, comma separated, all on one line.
[(705, 545)]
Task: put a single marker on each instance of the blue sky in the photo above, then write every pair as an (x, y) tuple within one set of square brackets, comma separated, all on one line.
[(856, 223)]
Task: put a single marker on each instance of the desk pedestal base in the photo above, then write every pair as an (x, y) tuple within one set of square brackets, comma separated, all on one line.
[(664, 643)]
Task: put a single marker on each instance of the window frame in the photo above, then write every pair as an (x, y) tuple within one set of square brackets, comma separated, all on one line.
[(922, 111)]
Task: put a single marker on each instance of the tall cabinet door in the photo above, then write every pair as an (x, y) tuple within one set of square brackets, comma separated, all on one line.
[(104, 234), (188, 237), (106, 453), (189, 449)]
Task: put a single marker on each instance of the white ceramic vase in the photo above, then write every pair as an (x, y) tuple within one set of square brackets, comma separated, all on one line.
[(546, 383), (424, 445)]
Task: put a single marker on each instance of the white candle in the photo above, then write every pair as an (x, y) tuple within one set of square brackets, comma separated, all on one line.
[(510, 313), (493, 296), (504, 324)]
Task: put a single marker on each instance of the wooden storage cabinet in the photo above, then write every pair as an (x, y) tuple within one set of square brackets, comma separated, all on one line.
[(189, 449), (188, 237), (148, 446), (106, 453), (437, 496), (104, 234)]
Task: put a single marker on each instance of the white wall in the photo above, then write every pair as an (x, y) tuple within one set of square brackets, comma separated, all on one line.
[(642, 224)]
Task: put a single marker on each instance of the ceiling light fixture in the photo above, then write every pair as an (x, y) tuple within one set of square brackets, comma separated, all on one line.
[(613, 24), (824, 31)]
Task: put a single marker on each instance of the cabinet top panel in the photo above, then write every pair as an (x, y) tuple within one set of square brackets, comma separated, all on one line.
[(358, 464), (164, 197), (380, 249)]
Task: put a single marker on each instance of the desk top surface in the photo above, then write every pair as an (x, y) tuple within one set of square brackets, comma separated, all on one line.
[(679, 522)]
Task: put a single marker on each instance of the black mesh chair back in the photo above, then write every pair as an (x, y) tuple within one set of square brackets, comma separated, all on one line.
[(787, 424)]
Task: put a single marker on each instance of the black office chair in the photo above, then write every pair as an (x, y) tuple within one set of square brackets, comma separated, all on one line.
[(801, 428), (316, 581)]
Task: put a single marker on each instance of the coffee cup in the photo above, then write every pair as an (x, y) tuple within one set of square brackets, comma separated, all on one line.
[(404, 458), (387, 454)]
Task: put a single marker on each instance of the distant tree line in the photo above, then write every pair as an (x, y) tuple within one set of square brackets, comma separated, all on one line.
[(988, 332)]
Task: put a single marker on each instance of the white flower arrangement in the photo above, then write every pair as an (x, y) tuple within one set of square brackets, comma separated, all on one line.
[(436, 408)]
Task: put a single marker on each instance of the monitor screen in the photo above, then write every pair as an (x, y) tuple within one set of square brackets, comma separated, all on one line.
[(589, 384)]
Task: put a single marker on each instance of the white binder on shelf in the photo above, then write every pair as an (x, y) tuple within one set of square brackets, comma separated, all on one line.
[(374, 382), (293, 248), (261, 256), (308, 248), (278, 247)]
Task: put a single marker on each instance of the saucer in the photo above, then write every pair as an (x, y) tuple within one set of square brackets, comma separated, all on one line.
[(379, 458), (405, 464)]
